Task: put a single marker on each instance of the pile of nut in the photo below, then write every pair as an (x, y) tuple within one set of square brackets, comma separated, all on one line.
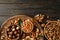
[(50, 27), (13, 32), (25, 28), (21, 28)]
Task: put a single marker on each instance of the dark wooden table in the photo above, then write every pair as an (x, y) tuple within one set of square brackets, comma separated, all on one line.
[(9, 8)]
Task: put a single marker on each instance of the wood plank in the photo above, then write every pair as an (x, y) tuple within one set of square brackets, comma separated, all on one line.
[(30, 12), (23, 1), (13, 9), (21, 6)]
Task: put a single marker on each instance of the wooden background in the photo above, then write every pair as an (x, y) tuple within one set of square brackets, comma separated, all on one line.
[(9, 8)]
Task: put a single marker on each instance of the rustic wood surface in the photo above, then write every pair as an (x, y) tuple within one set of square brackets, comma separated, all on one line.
[(9, 8)]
